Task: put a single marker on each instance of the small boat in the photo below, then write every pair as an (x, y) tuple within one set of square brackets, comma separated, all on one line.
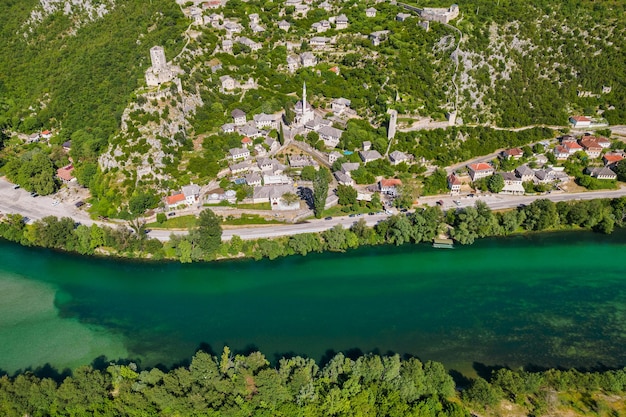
[(443, 243)]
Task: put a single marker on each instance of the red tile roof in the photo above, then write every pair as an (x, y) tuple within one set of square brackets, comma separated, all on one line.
[(590, 142), (390, 182), (46, 132), (514, 152), (173, 199), (65, 173), (454, 179), (246, 140), (611, 158), (581, 118), (480, 166)]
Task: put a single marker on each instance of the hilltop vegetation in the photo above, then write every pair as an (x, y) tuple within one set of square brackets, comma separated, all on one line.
[(81, 73), (61, 73)]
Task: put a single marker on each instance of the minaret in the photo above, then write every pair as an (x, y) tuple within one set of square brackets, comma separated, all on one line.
[(304, 109)]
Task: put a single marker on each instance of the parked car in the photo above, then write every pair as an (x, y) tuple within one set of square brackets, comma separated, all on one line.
[(171, 214), (328, 218)]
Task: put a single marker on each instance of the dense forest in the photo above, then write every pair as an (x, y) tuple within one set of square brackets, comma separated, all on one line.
[(232, 384)]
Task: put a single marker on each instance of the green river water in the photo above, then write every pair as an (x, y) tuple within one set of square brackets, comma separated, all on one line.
[(547, 300)]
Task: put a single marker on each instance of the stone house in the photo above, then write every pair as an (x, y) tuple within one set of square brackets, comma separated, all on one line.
[(480, 170)]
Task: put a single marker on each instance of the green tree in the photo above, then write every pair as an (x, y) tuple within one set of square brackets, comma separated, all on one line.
[(161, 218), (495, 183), (208, 234), (320, 191), (346, 194)]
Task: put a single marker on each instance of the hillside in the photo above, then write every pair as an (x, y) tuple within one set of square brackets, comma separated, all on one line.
[(77, 67)]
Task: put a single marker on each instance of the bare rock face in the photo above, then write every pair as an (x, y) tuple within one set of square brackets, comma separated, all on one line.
[(149, 131), (82, 11)]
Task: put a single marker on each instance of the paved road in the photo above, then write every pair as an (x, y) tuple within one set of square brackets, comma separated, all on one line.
[(35, 208), (495, 202)]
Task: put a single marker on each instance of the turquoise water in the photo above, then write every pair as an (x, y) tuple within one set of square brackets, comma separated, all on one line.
[(547, 300)]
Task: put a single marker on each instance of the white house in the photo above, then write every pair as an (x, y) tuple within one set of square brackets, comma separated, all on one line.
[(369, 156), (580, 121), (397, 157), (293, 63), (454, 184), (339, 105), (371, 12), (266, 121), (239, 117), (341, 22), (284, 25), (389, 186), (308, 59), (480, 170), (330, 136), (228, 82), (239, 153)]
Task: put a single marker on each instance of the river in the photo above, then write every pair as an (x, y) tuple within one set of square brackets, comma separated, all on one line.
[(546, 299)]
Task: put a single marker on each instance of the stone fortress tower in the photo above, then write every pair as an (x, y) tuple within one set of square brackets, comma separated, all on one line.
[(160, 72)]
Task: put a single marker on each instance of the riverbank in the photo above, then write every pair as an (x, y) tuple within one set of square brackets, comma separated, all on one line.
[(463, 224)]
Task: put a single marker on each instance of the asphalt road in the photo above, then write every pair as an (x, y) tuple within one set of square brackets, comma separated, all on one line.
[(35, 208)]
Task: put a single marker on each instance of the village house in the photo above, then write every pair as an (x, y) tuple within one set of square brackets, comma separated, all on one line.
[(604, 173), (480, 170), (33, 138), (612, 158), (212, 4), (389, 186), (378, 37), (591, 146), (321, 26), (293, 63), (232, 27), (326, 6), (218, 195), (301, 10), (440, 15), (348, 167), (579, 122), (525, 173), (250, 130), (301, 161), (341, 22), (397, 157), (515, 153), (254, 46), (512, 184), (284, 25), (272, 144), (276, 179), (263, 120), (189, 195), (549, 175), (240, 167), (330, 136), (239, 153), (274, 195), (239, 117), (401, 17), (601, 141), (308, 59), (227, 46), (370, 12), (228, 128), (333, 156), (454, 184), (259, 150), (246, 141), (367, 145), (369, 156), (318, 42), (344, 179), (65, 174), (46, 134), (254, 179), (228, 82), (340, 105)]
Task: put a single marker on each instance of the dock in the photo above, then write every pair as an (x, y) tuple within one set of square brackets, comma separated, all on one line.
[(443, 243)]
